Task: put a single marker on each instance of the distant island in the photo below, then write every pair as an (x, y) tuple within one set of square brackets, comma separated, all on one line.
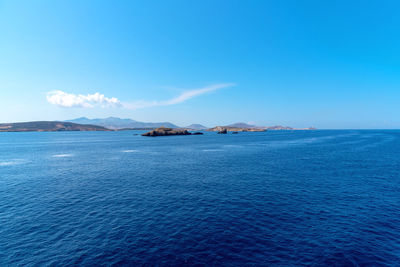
[(117, 124), (244, 127), (198, 127), (237, 127), (162, 131), (48, 126)]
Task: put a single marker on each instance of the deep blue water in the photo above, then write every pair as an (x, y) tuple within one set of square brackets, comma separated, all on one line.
[(276, 198)]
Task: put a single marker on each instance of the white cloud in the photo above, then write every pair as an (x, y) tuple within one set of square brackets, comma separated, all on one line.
[(186, 95), (67, 100)]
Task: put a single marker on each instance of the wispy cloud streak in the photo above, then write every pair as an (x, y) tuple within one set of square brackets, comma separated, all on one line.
[(68, 100), (186, 95)]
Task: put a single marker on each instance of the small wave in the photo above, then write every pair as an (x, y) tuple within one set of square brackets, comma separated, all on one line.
[(12, 162), (212, 150), (62, 155), (129, 151), (233, 146)]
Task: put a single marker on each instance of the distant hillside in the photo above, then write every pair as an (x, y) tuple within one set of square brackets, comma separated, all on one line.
[(241, 125), (48, 126), (236, 129), (196, 127), (117, 123), (279, 127)]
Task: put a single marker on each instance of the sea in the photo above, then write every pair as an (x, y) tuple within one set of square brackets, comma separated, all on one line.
[(275, 198)]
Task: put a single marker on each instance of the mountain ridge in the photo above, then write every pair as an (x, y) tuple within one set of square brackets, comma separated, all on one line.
[(241, 125), (196, 126), (115, 123), (48, 126)]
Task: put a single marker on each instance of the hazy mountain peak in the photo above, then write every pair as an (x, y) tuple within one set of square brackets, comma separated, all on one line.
[(196, 126), (241, 125)]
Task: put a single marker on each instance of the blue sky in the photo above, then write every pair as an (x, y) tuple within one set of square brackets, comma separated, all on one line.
[(329, 64)]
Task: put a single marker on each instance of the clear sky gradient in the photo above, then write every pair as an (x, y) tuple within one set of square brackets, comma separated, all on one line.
[(328, 64)]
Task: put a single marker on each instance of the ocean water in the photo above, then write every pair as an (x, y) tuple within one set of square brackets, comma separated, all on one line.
[(283, 198)]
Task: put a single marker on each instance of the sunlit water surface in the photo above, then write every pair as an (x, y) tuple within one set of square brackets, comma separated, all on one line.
[(274, 198)]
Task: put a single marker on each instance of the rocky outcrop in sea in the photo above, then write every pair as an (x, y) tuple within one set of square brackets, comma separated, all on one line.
[(166, 132)]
